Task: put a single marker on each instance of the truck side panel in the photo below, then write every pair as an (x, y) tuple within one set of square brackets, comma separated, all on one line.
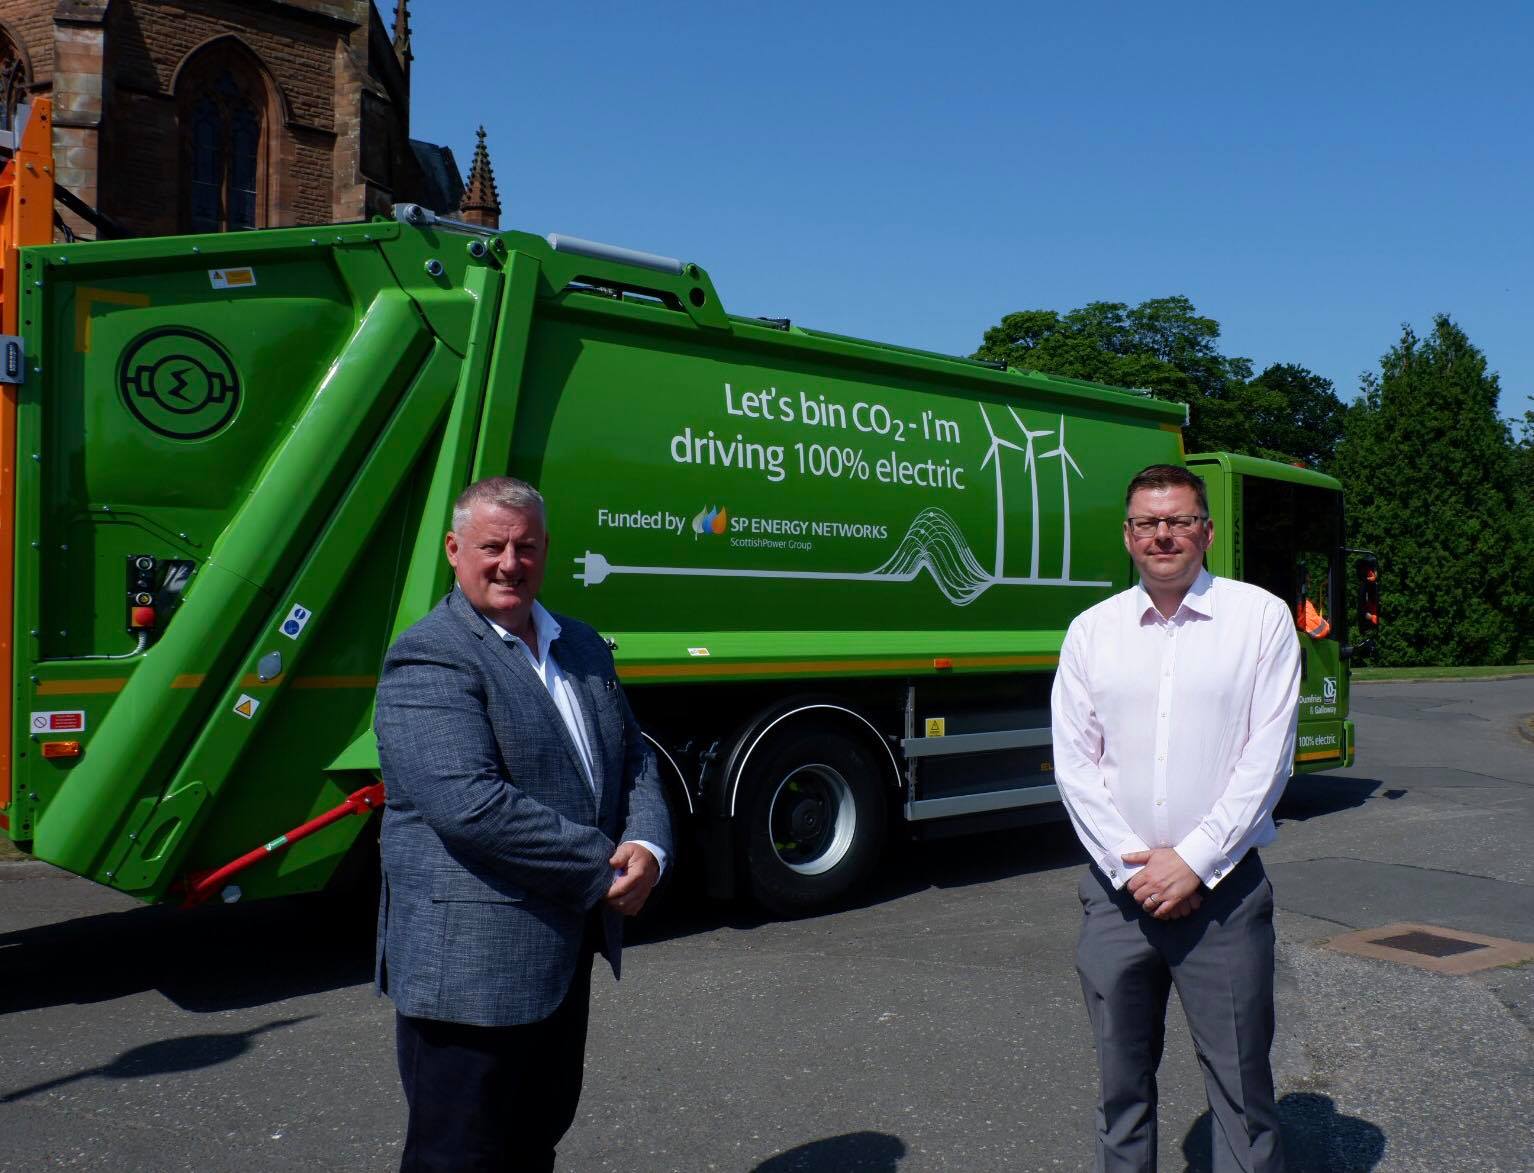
[(781, 499)]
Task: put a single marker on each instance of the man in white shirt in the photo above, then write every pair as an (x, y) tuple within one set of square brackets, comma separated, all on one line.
[(525, 819), (1174, 713)]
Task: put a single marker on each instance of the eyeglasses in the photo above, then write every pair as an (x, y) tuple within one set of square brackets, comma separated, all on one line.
[(1181, 524)]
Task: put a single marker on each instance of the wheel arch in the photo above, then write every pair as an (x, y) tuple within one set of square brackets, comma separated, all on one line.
[(783, 717), (672, 778)]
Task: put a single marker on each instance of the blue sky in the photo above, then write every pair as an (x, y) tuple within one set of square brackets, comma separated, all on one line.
[(1310, 175)]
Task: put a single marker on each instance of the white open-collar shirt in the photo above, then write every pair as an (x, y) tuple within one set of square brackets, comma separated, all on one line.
[(1177, 732), (546, 630)]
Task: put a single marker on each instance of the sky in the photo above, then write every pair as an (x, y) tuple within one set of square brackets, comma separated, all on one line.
[(1311, 176)]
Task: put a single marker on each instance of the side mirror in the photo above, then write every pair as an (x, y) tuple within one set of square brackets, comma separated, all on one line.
[(1367, 571)]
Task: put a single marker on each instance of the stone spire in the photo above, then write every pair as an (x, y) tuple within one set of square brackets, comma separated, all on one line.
[(402, 48), (481, 203)]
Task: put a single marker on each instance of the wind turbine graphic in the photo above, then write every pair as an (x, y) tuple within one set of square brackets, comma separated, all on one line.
[(1033, 475), (992, 456), (1065, 496)]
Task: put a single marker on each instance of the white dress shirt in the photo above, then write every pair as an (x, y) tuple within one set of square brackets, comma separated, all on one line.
[(562, 693), (1177, 732)]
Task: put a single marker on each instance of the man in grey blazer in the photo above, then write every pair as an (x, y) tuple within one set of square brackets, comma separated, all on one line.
[(524, 820)]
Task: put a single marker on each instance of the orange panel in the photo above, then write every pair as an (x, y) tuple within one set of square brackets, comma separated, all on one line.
[(26, 217)]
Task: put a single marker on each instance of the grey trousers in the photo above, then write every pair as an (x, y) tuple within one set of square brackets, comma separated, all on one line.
[(1221, 960)]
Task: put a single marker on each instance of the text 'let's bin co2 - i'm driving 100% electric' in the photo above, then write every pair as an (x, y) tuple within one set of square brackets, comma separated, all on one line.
[(813, 459)]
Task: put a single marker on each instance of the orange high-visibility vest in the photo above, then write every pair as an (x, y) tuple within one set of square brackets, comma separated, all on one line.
[(1311, 621)]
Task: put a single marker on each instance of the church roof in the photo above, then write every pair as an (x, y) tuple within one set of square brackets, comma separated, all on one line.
[(444, 187)]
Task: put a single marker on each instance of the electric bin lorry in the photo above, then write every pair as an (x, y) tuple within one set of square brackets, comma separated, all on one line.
[(835, 574)]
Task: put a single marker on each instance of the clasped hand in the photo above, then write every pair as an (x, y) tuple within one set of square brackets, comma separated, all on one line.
[(1166, 887), (635, 875)]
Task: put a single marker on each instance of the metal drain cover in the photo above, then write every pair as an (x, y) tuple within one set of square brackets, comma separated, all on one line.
[(1433, 947), (1428, 944)]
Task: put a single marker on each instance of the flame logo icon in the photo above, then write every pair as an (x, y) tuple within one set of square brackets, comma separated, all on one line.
[(713, 520)]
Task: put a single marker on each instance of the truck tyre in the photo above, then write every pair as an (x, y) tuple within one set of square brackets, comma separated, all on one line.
[(814, 819)]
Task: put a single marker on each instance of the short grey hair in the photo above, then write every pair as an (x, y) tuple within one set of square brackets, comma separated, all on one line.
[(507, 492)]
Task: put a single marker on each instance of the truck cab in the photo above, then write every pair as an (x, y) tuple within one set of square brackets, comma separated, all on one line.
[(1280, 527)]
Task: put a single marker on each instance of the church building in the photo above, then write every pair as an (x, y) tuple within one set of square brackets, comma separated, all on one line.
[(177, 116)]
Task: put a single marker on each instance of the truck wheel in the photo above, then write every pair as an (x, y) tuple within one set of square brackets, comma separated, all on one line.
[(815, 820)]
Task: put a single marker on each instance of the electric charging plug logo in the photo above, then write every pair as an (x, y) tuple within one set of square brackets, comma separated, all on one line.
[(179, 383)]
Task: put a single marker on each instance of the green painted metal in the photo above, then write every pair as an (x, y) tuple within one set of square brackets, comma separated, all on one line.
[(218, 755), (1323, 742), (293, 411), (1235, 464), (426, 574)]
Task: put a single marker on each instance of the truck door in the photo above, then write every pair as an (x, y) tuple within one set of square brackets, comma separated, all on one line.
[(1293, 548)]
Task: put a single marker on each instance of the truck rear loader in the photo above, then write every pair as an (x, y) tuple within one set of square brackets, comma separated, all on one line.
[(835, 574)]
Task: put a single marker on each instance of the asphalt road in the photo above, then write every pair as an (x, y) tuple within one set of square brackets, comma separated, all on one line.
[(935, 1026)]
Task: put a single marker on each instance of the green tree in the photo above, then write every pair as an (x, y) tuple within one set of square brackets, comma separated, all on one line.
[(1293, 414), (1165, 348), (1523, 480), (1429, 473)]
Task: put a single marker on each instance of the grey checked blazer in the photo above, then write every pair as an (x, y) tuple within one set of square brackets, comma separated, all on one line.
[(494, 848)]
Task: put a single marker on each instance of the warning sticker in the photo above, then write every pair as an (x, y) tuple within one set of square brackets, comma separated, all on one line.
[(293, 625), (246, 706), (70, 721), (244, 278), (937, 726)]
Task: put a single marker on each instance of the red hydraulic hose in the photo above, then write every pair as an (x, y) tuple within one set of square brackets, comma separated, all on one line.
[(201, 885)]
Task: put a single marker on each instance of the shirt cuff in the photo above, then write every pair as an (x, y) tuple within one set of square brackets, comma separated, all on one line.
[(657, 852), (1200, 853), (1114, 867)]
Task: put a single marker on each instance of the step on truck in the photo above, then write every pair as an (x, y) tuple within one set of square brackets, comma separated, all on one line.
[(835, 574)]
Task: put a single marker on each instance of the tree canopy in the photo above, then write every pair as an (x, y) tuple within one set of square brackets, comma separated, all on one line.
[(1292, 414), (1430, 474), (1434, 481), (1166, 349)]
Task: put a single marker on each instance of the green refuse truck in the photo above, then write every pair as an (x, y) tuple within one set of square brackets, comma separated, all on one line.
[(835, 573)]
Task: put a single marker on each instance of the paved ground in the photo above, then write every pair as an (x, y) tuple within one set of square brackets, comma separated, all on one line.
[(937, 1026)]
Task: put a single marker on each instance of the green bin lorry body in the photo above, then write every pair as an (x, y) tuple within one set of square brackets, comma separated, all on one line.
[(817, 558)]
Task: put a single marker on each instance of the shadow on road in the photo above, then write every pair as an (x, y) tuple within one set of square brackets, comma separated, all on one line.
[(1316, 1136), (163, 1057), (204, 960), (908, 868), (1309, 795), (863, 1152), (958, 861), (223, 957)]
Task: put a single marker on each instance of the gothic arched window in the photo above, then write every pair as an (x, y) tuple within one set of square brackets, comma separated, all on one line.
[(14, 79), (223, 104)]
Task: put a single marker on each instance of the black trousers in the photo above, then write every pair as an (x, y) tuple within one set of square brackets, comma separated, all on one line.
[(499, 1098)]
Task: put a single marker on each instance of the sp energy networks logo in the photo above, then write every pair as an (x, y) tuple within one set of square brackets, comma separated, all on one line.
[(179, 383), (713, 520)]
